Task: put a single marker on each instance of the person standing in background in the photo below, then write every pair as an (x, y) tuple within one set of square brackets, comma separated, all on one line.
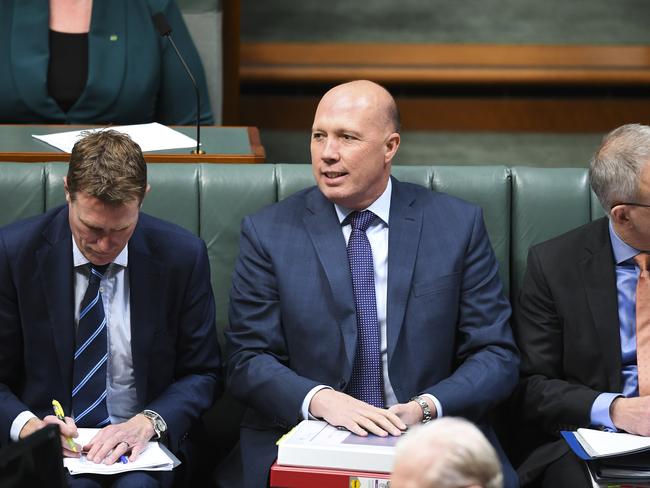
[(96, 62)]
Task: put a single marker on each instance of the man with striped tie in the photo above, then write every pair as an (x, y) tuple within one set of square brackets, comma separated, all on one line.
[(108, 310)]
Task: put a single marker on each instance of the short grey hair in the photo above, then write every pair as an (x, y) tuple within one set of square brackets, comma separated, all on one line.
[(615, 168), (451, 453)]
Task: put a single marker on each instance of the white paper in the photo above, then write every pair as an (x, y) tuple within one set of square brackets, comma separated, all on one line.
[(599, 443), (314, 443), (153, 458), (150, 137)]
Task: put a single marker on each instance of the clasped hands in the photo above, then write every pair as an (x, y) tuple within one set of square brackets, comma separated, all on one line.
[(342, 410), (108, 445)]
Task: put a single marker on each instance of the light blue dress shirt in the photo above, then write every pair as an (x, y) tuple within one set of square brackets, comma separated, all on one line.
[(378, 236), (121, 396), (627, 274)]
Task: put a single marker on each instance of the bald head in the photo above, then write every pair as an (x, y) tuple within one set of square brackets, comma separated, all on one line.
[(355, 136), (365, 93)]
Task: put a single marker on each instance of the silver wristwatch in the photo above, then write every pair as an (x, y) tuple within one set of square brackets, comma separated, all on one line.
[(159, 424), (426, 411)]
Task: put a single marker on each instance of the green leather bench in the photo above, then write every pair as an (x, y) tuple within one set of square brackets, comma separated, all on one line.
[(522, 206)]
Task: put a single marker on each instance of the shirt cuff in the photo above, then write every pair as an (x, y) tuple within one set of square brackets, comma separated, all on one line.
[(305, 403), (600, 410), (436, 402), (18, 424)]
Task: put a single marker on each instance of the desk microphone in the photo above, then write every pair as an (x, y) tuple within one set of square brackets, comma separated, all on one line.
[(163, 28)]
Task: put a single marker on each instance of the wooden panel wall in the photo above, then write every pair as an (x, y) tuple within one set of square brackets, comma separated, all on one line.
[(456, 87)]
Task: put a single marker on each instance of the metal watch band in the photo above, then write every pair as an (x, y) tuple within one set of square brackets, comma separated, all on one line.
[(426, 411), (159, 424)]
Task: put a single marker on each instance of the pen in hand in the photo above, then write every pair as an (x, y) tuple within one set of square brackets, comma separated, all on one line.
[(58, 411)]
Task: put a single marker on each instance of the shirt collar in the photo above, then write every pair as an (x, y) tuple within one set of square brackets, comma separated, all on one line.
[(622, 251), (79, 259), (380, 207)]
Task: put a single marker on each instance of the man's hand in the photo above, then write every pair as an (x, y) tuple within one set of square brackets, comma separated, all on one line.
[(342, 410), (116, 440), (411, 412), (631, 414), (68, 430)]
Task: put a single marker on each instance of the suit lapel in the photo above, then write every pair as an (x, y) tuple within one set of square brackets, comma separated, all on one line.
[(106, 59), (55, 269), (599, 281), (146, 294), (403, 240), (327, 238)]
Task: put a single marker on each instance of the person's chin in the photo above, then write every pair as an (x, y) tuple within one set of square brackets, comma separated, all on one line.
[(100, 259)]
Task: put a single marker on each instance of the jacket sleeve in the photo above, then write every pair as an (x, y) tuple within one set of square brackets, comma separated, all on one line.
[(259, 372)]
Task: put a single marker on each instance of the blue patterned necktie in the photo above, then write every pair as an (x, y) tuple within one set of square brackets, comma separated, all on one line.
[(91, 357), (366, 383)]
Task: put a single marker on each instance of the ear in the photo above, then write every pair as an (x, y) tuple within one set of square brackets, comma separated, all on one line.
[(65, 189), (146, 190), (620, 217), (392, 144)]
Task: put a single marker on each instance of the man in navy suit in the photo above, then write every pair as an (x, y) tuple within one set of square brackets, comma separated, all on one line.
[(442, 333), (161, 361)]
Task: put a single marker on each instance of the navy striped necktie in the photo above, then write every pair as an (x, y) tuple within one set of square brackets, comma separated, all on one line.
[(366, 383), (91, 357)]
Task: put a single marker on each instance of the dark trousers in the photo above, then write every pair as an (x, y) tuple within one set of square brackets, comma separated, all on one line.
[(567, 472)]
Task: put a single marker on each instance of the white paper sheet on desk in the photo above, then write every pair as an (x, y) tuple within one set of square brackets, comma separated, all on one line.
[(150, 137), (153, 458)]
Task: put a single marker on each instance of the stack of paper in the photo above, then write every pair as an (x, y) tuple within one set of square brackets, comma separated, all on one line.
[(612, 457), (153, 458), (150, 137), (314, 443)]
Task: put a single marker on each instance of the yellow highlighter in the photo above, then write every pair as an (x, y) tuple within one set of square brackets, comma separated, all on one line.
[(58, 411)]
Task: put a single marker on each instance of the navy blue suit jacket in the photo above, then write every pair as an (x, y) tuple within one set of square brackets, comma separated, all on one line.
[(293, 323), (173, 337)]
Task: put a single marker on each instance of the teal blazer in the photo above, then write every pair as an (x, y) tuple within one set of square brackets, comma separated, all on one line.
[(133, 74)]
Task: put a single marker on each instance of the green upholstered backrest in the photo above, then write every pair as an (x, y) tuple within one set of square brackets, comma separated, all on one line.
[(228, 193), (546, 202), (521, 205), (488, 187), (22, 191)]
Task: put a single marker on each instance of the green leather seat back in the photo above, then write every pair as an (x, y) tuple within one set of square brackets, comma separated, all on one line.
[(522, 206), (174, 194), (546, 202), (488, 187), (597, 210), (228, 193), (54, 193), (21, 191), (292, 178)]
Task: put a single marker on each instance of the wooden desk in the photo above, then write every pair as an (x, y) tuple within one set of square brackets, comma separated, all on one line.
[(221, 144)]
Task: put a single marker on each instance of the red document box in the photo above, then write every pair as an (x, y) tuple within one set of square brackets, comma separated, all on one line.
[(294, 477)]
